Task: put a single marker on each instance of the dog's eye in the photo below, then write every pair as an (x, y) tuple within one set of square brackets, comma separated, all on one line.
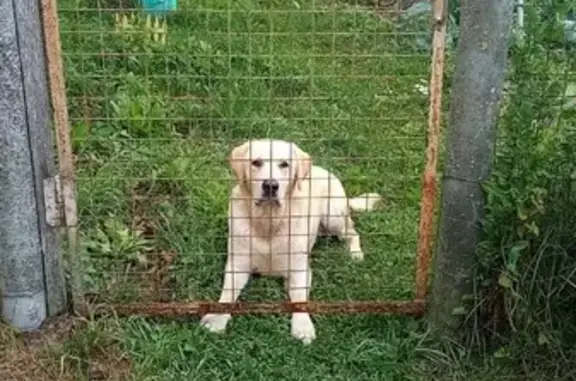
[(284, 164), (257, 163)]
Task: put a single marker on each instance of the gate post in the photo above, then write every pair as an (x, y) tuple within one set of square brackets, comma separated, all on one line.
[(32, 282), (481, 59)]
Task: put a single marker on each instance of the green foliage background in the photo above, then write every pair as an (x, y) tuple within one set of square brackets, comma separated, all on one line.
[(526, 279)]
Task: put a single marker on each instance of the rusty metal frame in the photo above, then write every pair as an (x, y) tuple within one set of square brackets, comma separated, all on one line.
[(429, 181), (416, 307), (67, 189)]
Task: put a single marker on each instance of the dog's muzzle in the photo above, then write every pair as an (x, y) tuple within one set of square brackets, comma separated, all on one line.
[(269, 192)]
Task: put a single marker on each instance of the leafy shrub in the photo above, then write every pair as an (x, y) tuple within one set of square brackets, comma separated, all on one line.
[(528, 260)]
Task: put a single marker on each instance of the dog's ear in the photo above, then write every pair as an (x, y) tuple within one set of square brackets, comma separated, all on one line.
[(237, 160), (303, 165)]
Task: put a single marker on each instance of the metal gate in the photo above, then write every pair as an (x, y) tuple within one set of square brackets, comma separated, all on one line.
[(154, 102)]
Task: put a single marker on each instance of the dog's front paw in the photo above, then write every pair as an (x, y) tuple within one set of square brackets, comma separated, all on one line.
[(357, 255), (303, 328), (215, 322)]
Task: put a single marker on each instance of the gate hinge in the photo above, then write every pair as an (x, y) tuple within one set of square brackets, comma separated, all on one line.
[(54, 202)]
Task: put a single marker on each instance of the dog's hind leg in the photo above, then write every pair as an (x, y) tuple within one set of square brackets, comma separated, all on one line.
[(339, 223)]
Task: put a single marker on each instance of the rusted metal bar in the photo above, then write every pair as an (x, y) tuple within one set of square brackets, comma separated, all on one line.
[(414, 308), (429, 183), (63, 141)]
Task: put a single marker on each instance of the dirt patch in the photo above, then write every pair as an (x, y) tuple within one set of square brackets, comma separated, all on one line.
[(64, 349)]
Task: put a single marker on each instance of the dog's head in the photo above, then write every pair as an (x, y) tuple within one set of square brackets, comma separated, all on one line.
[(270, 170)]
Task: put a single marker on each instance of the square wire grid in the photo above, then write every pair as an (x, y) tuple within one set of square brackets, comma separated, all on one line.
[(157, 103)]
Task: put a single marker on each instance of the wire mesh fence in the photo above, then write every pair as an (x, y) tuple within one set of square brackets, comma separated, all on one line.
[(158, 101)]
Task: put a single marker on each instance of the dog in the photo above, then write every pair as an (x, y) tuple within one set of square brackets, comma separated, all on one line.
[(278, 206)]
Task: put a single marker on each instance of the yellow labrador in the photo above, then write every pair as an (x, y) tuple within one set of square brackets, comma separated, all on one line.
[(278, 206)]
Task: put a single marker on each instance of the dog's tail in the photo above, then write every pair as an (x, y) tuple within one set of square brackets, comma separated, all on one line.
[(364, 202)]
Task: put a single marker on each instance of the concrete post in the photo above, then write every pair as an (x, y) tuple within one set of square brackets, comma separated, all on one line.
[(31, 276), (474, 108)]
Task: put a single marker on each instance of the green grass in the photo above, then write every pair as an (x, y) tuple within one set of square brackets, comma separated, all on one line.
[(153, 124), (256, 349)]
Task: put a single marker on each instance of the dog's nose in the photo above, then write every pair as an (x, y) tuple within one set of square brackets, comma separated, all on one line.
[(270, 187)]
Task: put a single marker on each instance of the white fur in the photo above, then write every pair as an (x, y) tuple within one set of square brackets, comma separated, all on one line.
[(275, 238)]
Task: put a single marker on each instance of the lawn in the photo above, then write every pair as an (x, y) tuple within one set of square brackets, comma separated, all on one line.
[(153, 122)]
